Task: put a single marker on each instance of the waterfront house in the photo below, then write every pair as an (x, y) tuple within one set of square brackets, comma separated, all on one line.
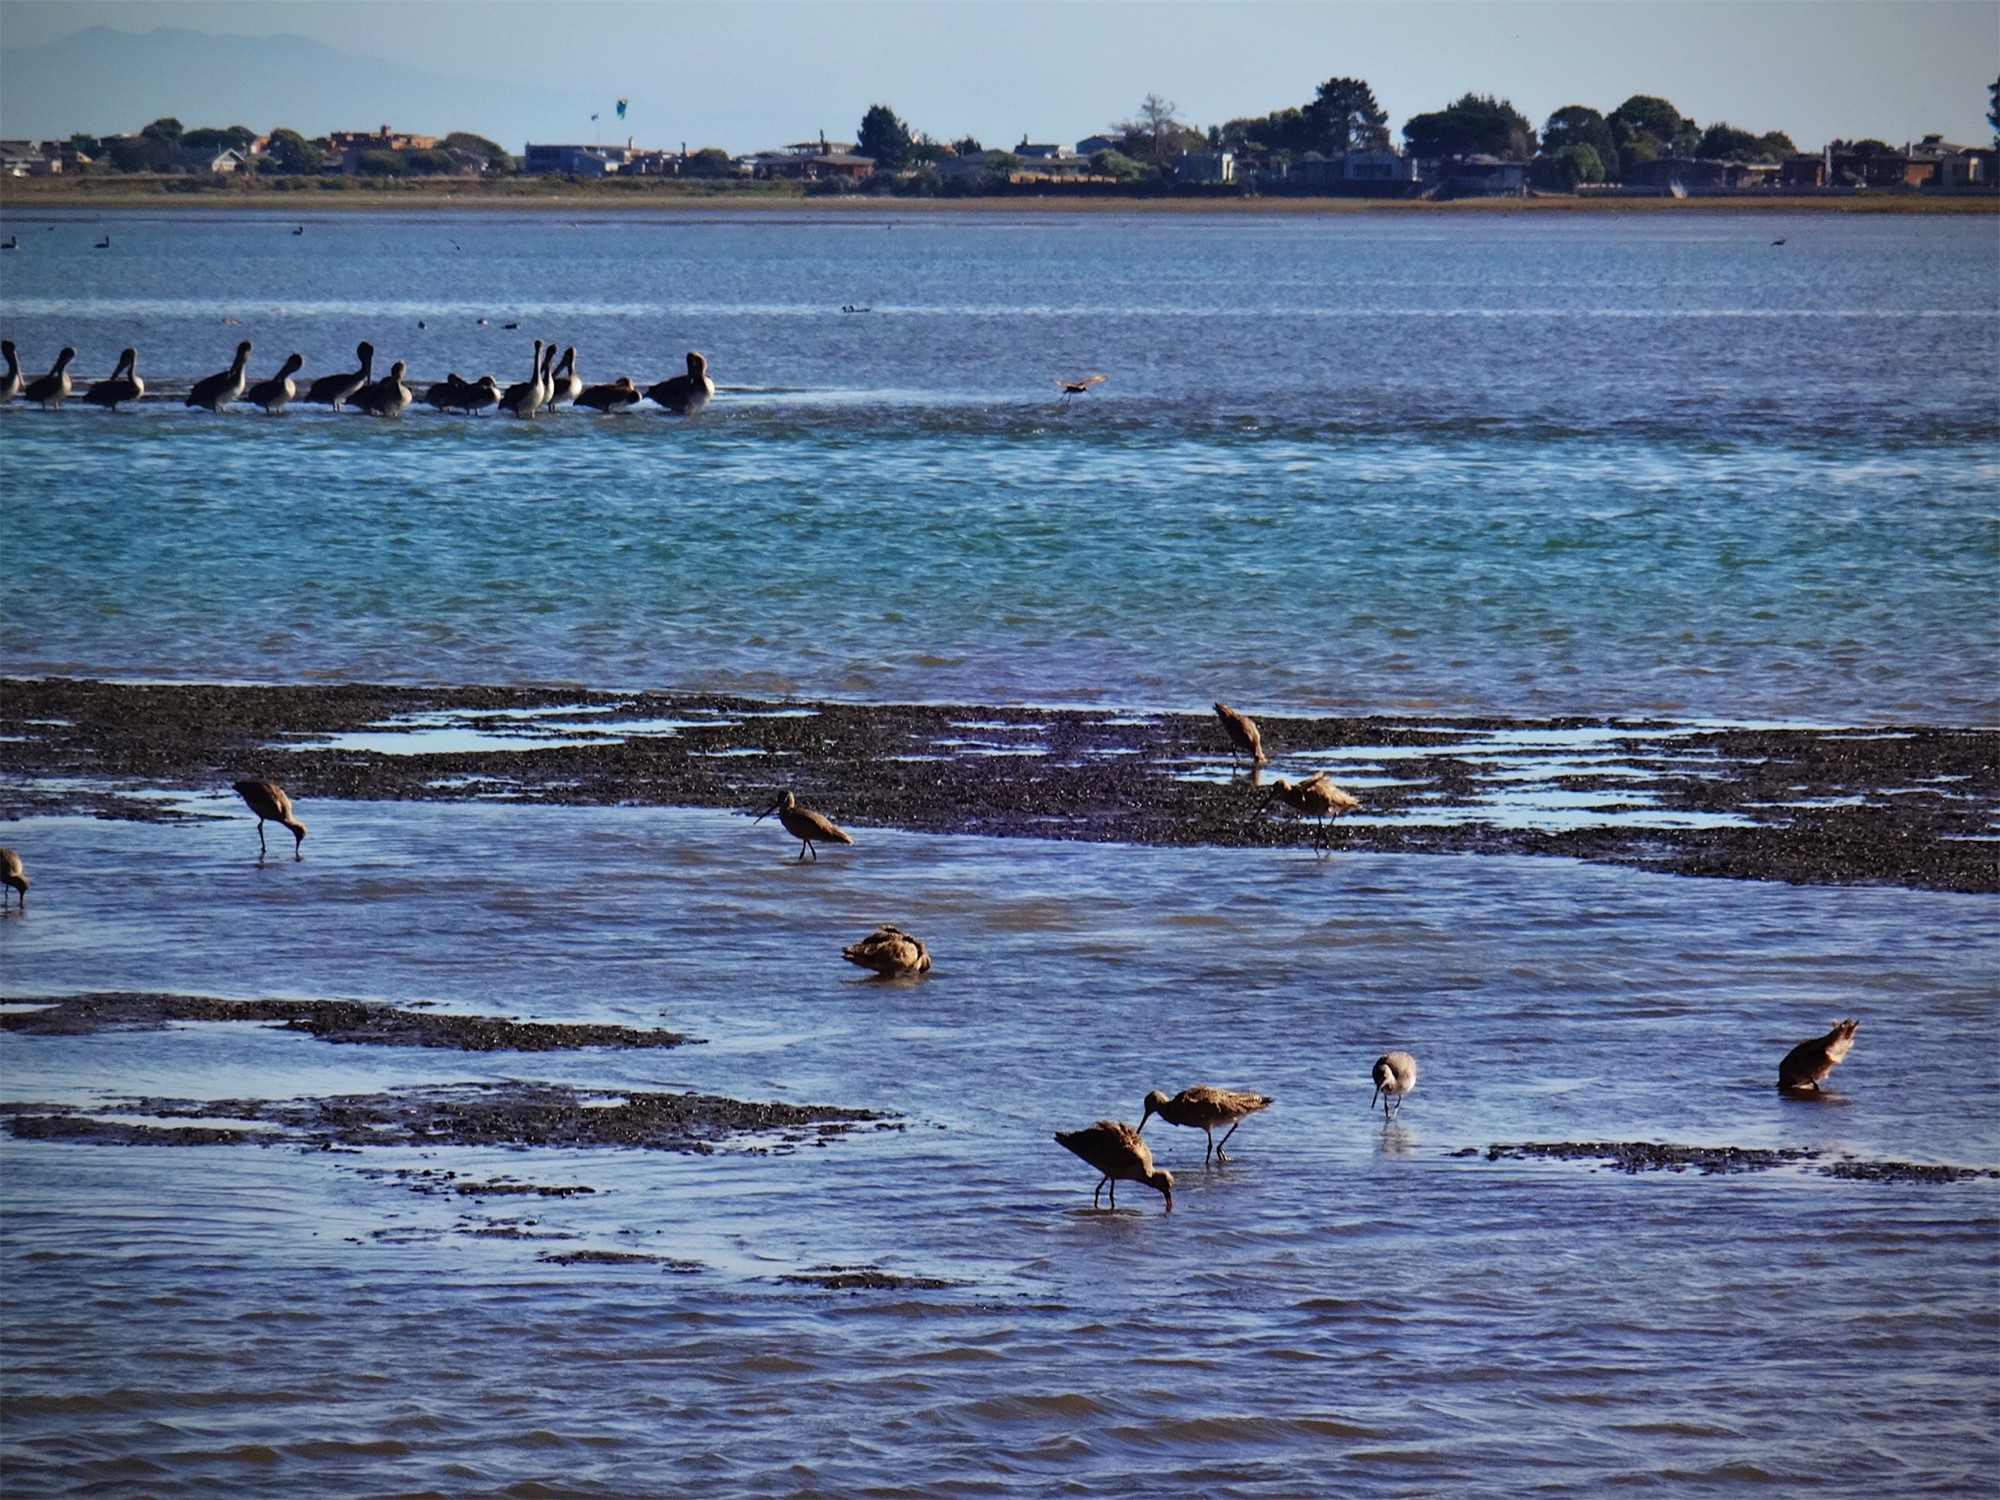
[(1090, 145), (1480, 176), (1205, 166), (596, 160), (1043, 152)]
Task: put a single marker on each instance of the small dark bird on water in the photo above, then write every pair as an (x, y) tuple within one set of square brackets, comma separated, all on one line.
[(1203, 1108), (1121, 1154), (1809, 1062), (103, 244), (805, 825), (14, 876), (268, 801), (890, 952)]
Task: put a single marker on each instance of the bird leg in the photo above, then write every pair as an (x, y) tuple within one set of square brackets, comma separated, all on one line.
[(1098, 1191), (1225, 1141), (260, 836), (1114, 1190), (1210, 1133)]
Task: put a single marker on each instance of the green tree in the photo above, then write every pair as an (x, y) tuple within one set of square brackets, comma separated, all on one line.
[(166, 130), (1580, 125), (1993, 109), (1344, 117), (925, 152), (490, 155), (379, 164), (228, 138), (1117, 165), (1476, 124), (1283, 130), (292, 154), (1730, 144), (1562, 169), (1646, 127), (1157, 133), (709, 161), (884, 137), (969, 146)]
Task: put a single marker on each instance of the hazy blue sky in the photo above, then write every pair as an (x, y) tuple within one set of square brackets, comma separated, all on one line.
[(743, 74)]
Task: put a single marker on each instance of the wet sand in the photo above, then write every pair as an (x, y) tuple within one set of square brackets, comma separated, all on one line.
[(1911, 806), (1715, 1161)]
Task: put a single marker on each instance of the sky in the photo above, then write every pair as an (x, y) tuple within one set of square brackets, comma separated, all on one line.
[(745, 74)]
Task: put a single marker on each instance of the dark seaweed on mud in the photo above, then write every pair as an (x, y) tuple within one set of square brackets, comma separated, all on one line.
[(1712, 1161)]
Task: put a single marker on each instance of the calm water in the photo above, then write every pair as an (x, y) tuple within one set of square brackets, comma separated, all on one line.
[(1595, 466)]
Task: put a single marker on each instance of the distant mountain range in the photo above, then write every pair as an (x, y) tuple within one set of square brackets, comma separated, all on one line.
[(103, 82)]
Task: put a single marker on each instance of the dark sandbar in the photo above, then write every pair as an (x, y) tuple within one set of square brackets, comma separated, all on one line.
[(1649, 1156)]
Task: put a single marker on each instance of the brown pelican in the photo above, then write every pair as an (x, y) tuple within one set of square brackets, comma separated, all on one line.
[(566, 385), (440, 392), (476, 395), (890, 952), (1809, 1062), (1395, 1075), (217, 391), (268, 801), (1242, 732), (620, 395), (53, 388), (803, 824), (1316, 797), (525, 397), (388, 396), (1117, 1150), (685, 394), (1204, 1108), (13, 876), (272, 394), (335, 390), (10, 383), (123, 385)]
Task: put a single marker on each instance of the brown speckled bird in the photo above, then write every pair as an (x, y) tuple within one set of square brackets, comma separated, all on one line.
[(1242, 732), (1316, 797), (1116, 1149), (1809, 1062), (890, 952), (13, 876), (268, 801), (805, 825), (1204, 1108)]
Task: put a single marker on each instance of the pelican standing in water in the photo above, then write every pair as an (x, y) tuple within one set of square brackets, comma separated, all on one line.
[(53, 388), (565, 384), (1204, 1108), (272, 394), (268, 801), (11, 382), (1395, 1075), (388, 396), (524, 398), (122, 385), (1117, 1150), (217, 391), (336, 390), (1809, 1062), (1316, 797), (685, 394), (14, 876), (805, 825), (1242, 732), (619, 396), (890, 952)]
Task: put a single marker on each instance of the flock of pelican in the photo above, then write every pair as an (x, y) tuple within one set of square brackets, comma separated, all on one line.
[(1114, 1149), (552, 384)]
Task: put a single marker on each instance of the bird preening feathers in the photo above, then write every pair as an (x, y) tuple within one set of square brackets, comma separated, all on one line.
[(890, 952), (1809, 1062)]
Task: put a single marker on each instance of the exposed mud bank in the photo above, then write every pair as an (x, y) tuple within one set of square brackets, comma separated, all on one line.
[(1649, 1156)]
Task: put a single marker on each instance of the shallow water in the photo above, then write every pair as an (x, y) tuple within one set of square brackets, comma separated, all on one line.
[(1346, 1304)]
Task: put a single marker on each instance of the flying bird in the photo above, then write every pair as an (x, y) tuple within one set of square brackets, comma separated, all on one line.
[(1071, 388)]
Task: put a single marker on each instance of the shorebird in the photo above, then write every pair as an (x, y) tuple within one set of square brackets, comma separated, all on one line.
[(620, 395), (565, 384), (1203, 1108), (13, 877), (1242, 732), (890, 952), (1809, 1062), (336, 390), (1316, 797), (1072, 388), (11, 382), (803, 824), (524, 397), (268, 801), (1395, 1076), (217, 391), (53, 388), (388, 396), (272, 394), (122, 385), (1116, 1149), (685, 394)]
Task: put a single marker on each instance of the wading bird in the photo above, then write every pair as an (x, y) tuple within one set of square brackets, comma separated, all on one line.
[(11, 382), (524, 398), (1395, 1076), (337, 390), (1116, 1149), (1204, 1108), (1073, 388), (1316, 797), (123, 384), (619, 396), (803, 824), (890, 952), (272, 394), (268, 801), (685, 394), (1242, 732), (1809, 1062), (217, 391), (13, 876), (53, 388)]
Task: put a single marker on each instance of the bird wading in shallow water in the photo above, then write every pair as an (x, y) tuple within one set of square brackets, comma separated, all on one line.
[(13, 875), (1315, 797), (890, 952), (1204, 1108), (1395, 1076), (805, 825), (1809, 1062), (1116, 1150), (268, 801)]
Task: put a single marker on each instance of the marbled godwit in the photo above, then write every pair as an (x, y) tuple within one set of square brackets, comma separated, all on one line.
[(336, 390), (1073, 388), (1117, 1150), (268, 800), (890, 952), (217, 391), (1203, 1108), (803, 824), (1242, 732), (565, 384), (685, 394), (1809, 1062), (1395, 1076), (122, 385), (272, 394), (524, 397), (1316, 797), (13, 876), (53, 388), (11, 382), (388, 396), (620, 395)]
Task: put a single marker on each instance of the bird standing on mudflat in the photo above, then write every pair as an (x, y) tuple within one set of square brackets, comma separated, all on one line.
[(1395, 1076), (1203, 1108), (1809, 1062), (217, 391), (686, 394), (13, 876), (803, 824), (1242, 732), (890, 952), (1117, 1150), (337, 390), (53, 388), (272, 394), (1316, 797), (268, 801), (122, 385)]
